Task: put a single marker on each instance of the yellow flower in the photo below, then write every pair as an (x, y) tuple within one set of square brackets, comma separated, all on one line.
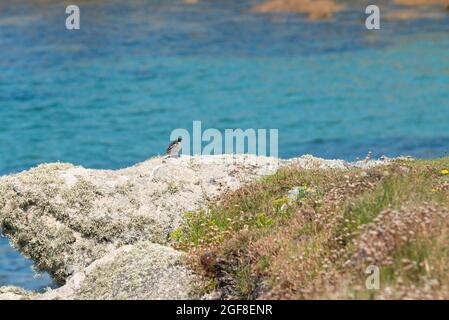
[(444, 171)]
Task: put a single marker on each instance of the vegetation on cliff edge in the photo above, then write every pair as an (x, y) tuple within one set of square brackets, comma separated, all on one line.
[(302, 234)]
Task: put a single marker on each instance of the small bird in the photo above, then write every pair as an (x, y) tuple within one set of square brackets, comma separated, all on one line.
[(173, 148)]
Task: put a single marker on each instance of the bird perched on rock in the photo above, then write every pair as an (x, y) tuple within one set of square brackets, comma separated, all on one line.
[(173, 148)]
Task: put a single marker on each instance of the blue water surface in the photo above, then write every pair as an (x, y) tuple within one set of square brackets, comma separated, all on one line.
[(109, 94)]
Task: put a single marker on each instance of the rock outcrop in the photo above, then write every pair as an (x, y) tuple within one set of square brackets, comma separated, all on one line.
[(314, 9), (324, 9), (105, 234)]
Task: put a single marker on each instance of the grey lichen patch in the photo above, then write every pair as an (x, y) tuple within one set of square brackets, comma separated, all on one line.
[(90, 212), (15, 293), (45, 176), (34, 188), (142, 271), (174, 187), (141, 227), (125, 188), (81, 196)]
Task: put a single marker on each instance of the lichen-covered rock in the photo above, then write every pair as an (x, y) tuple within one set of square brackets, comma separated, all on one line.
[(144, 270), (65, 218), (105, 234), (34, 215)]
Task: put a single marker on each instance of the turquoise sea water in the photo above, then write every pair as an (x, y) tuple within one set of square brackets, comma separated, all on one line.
[(109, 95)]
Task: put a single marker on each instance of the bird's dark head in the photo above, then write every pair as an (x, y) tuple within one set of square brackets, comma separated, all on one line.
[(179, 139)]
